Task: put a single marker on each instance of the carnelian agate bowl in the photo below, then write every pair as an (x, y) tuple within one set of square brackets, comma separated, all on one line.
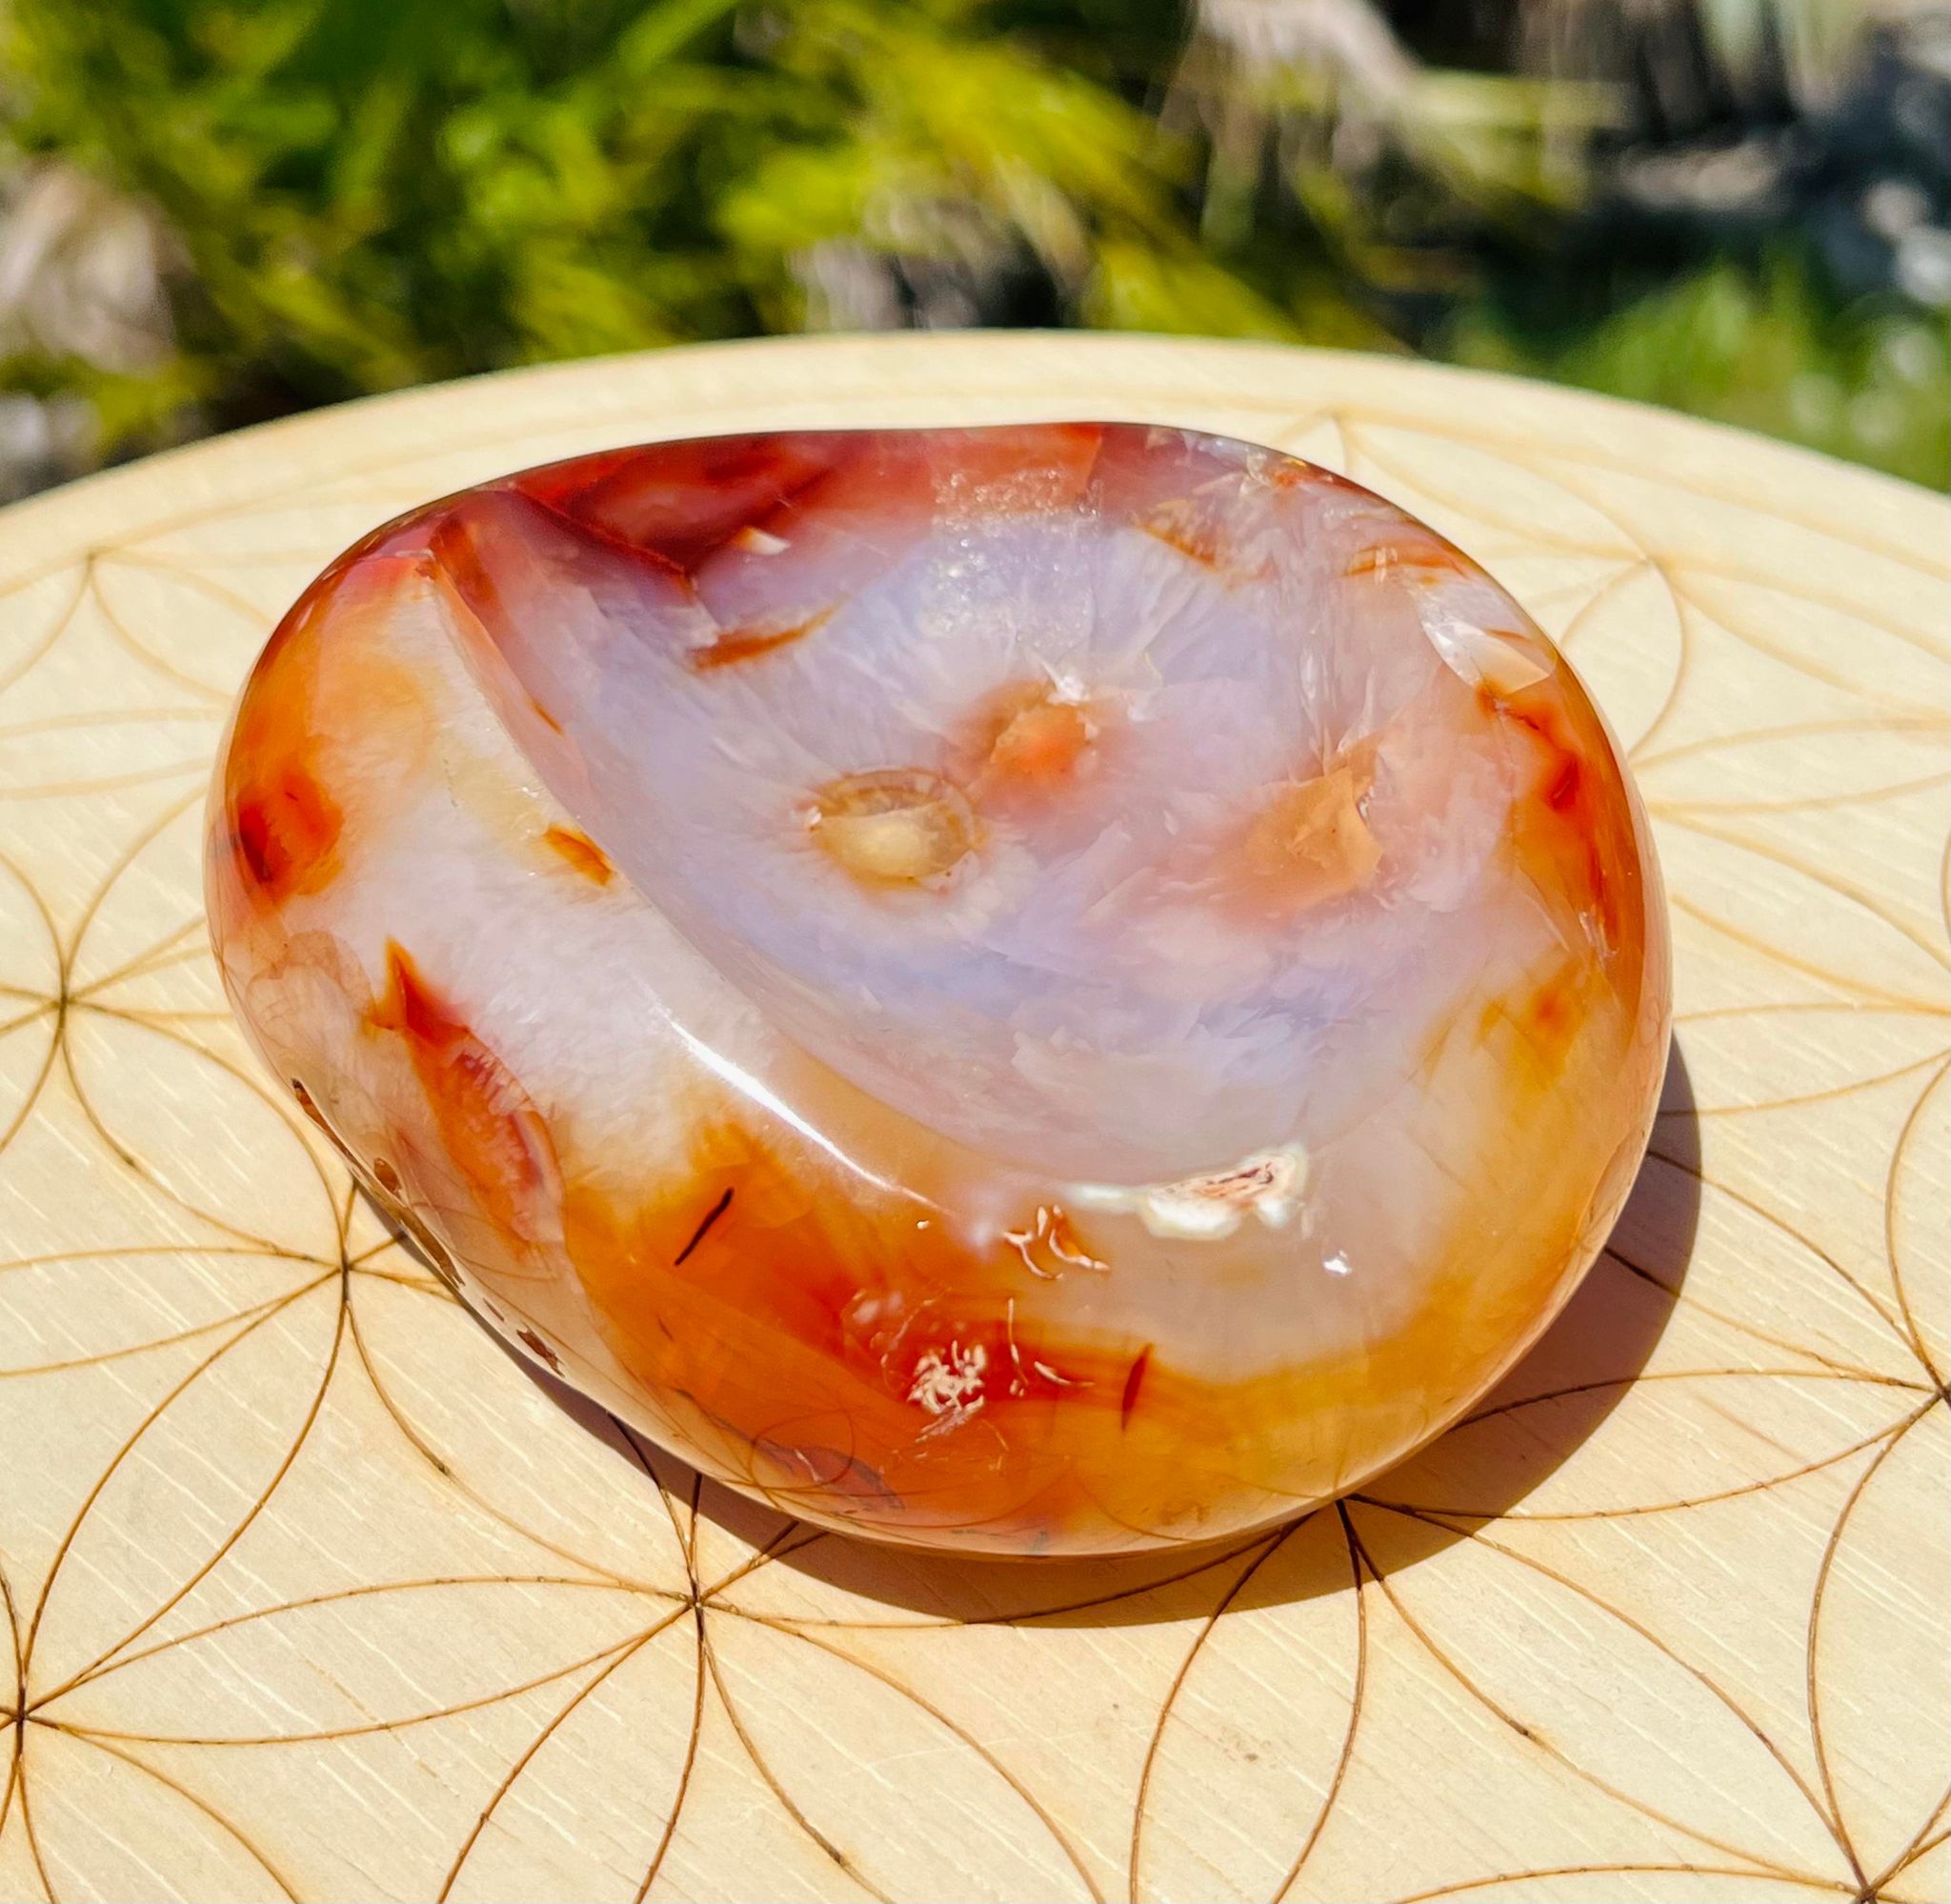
[(1033, 990)]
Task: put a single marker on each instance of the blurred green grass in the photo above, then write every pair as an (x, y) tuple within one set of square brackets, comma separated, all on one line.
[(223, 211)]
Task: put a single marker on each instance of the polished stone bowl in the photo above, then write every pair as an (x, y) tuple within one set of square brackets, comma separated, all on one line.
[(1032, 990)]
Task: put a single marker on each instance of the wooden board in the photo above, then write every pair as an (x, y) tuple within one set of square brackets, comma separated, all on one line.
[(315, 1594)]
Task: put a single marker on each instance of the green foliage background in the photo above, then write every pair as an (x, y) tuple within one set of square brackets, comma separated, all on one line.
[(360, 195)]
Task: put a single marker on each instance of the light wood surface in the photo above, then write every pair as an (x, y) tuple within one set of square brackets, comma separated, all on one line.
[(314, 1592)]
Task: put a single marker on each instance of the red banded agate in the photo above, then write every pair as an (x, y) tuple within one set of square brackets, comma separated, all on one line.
[(1038, 990)]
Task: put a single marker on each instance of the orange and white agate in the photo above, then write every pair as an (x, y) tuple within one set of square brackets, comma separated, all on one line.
[(1035, 989)]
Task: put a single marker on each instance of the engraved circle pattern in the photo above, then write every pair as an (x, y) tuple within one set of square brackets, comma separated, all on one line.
[(309, 1590)]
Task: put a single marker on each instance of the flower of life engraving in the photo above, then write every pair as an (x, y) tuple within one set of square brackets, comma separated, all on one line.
[(309, 1590)]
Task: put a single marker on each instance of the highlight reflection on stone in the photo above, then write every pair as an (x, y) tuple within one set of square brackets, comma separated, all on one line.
[(1050, 989)]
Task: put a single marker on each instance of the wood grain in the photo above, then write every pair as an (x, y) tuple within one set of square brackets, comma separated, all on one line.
[(311, 1592)]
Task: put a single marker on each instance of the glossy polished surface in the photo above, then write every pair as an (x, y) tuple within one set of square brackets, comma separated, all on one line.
[(1044, 989)]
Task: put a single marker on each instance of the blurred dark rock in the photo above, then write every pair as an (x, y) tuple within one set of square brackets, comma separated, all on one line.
[(1864, 170)]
